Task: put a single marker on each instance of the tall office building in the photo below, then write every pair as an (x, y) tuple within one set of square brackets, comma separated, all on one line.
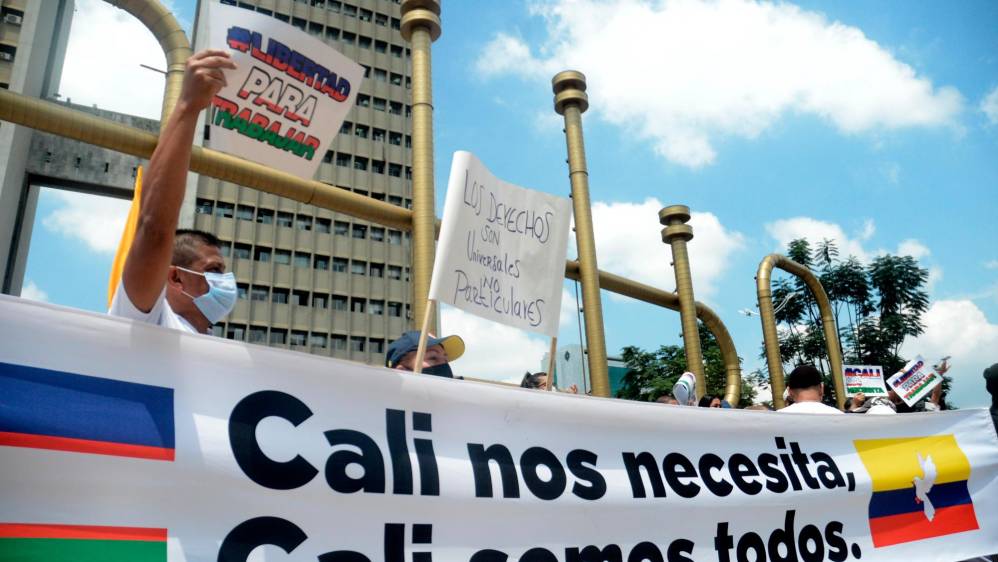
[(309, 278), (33, 38)]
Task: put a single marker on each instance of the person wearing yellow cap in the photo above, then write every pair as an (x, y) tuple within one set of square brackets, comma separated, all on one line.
[(439, 353)]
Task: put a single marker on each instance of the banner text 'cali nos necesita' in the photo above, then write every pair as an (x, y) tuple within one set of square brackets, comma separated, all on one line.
[(142, 443)]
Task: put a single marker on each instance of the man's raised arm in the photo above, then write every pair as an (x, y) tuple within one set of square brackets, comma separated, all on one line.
[(148, 260)]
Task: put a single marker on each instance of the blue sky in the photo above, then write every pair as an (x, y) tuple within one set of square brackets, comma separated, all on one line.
[(874, 123)]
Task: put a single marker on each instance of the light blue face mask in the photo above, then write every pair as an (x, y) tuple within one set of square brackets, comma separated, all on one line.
[(220, 299)]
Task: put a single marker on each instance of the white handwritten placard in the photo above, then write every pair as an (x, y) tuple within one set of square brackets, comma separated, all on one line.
[(915, 381), (287, 100), (868, 379), (502, 249)]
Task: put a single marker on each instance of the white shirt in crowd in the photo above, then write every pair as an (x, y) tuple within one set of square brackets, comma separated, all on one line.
[(810, 408), (160, 315)]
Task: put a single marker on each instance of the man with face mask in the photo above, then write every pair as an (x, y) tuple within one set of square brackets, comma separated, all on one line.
[(176, 278), (439, 353)]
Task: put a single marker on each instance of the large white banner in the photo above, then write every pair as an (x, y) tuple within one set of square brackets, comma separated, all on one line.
[(288, 97), (142, 443), (502, 248)]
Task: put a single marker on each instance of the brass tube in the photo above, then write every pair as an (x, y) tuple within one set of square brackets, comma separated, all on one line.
[(771, 337), (677, 233), (666, 299), (172, 39), (570, 101), (60, 120), (421, 26)]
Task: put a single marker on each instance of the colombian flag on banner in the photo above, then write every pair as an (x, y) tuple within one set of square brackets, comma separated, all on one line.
[(80, 543), (919, 488), (45, 409), (127, 236)]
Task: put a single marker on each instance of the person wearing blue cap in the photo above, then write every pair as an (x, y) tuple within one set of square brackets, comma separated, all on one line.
[(439, 353)]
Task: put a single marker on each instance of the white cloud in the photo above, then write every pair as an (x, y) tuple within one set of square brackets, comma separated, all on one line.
[(960, 329), (95, 220), (569, 311), (913, 248), (32, 291), (869, 229), (685, 74), (629, 244), (991, 264), (99, 71), (814, 230), (989, 105), (493, 351)]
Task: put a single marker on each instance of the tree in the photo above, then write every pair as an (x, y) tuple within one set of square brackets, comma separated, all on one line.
[(652, 374), (876, 307)]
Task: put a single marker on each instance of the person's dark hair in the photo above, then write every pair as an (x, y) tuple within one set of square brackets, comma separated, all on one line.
[(532, 380), (706, 400), (186, 242)]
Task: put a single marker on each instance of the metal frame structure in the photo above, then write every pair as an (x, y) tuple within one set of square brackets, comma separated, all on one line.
[(770, 337), (421, 26)]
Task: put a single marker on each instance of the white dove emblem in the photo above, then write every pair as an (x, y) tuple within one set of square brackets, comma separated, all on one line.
[(924, 484)]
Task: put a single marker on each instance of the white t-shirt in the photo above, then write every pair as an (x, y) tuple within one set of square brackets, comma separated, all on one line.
[(160, 315), (810, 408)]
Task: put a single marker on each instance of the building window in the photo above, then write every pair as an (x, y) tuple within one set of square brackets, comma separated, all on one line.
[(358, 305), (339, 342), (242, 291), (224, 210), (396, 51), (236, 332), (378, 166), (332, 34), (204, 206), (395, 199), (377, 270), (397, 24), (363, 100), (323, 226), (244, 213), (322, 262), (376, 308), (241, 251), (377, 345), (339, 265), (258, 334), (361, 131), (342, 159), (278, 337), (348, 37), (395, 237), (299, 338), (320, 301), (259, 293), (380, 47), (380, 75), (358, 267), (395, 108), (379, 135), (360, 231), (366, 15), (395, 139), (357, 343), (377, 234), (345, 127), (317, 341), (394, 309), (359, 163), (304, 222), (333, 6), (265, 216), (339, 302), (364, 42), (395, 272), (262, 255), (303, 260), (284, 219), (380, 104), (280, 296), (282, 257), (395, 171)]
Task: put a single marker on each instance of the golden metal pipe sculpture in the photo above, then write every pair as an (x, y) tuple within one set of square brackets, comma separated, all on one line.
[(570, 100), (421, 26), (651, 295), (677, 233), (172, 39), (59, 120), (770, 336)]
